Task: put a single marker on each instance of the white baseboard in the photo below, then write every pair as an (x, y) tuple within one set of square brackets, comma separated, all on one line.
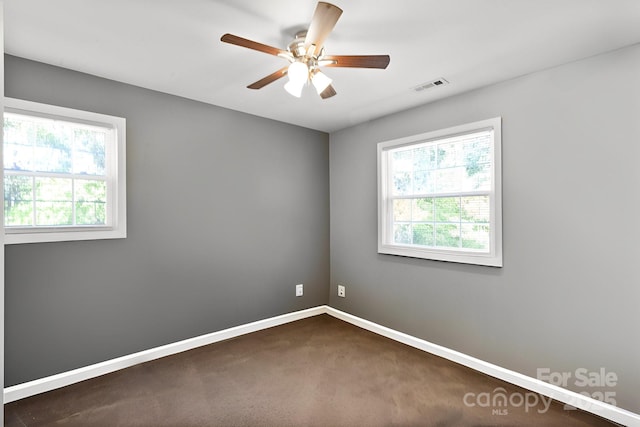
[(574, 399), (63, 379), (560, 394)]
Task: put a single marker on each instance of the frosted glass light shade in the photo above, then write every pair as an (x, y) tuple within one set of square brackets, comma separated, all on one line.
[(294, 88), (298, 72), (320, 81)]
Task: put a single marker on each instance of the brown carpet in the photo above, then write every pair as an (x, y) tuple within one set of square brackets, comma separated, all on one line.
[(314, 372)]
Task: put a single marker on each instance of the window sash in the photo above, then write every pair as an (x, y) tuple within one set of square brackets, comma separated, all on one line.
[(73, 178), (391, 222)]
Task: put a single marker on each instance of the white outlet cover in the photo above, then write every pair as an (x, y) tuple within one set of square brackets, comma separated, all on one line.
[(341, 291), (299, 290)]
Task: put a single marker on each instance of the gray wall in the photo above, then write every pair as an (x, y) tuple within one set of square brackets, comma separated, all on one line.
[(569, 293), (227, 212), (566, 298)]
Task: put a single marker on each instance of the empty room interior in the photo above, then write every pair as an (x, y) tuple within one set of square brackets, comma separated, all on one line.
[(437, 224)]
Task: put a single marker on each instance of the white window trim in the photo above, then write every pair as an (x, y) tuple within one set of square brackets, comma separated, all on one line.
[(118, 195), (494, 257)]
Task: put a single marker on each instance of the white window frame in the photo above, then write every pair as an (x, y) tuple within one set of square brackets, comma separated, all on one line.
[(493, 257), (116, 227)]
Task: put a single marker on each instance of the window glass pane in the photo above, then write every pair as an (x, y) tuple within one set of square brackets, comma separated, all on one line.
[(448, 235), (450, 180), (477, 156), (450, 155), (54, 204), (424, 158), (402, 183), (477, 149), (18, 157), (18, 144), (475, 209), (422, 209), (18, 200), (401, 171), (89, 151), (402, 233), (424, 182), (447, 209), (90, 200), (479, 179), (423, 234), (53, 145), (475, 236), (402, 160), (402, 210)]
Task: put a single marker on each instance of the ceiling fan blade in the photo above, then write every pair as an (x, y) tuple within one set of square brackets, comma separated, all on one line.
[(240, 41), (356, 61), (269, 79), (328, 92), (324, 19)]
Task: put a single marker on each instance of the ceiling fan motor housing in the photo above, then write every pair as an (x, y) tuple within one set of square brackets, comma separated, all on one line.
[(296, 47)]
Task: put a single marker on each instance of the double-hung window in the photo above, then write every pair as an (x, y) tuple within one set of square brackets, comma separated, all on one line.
[(64, 174), (439, 195)]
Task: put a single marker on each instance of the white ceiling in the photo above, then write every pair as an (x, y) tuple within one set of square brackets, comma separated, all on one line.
[(174, 46)]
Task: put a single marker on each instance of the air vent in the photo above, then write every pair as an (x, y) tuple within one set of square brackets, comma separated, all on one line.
[(429, 85)]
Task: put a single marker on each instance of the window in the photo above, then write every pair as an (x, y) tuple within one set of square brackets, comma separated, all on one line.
[(439, 195), (64, 174)]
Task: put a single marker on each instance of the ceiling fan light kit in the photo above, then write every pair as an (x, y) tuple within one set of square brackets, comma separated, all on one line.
[(298, 72), (320, 81), (294, 89), (306, 55)]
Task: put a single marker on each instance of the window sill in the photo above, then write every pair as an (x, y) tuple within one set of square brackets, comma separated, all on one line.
[(16, 237), (489, 260)]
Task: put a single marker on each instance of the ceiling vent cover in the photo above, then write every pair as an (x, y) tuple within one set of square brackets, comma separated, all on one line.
[(431, 84)]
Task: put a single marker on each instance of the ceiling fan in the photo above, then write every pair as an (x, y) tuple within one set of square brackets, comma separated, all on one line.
[(306, 55)]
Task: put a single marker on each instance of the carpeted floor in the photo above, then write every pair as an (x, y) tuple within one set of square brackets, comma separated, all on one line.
[(318, 371)]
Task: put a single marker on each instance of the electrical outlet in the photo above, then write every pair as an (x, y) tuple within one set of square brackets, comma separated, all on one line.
[(299, 290), (341, 291)]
